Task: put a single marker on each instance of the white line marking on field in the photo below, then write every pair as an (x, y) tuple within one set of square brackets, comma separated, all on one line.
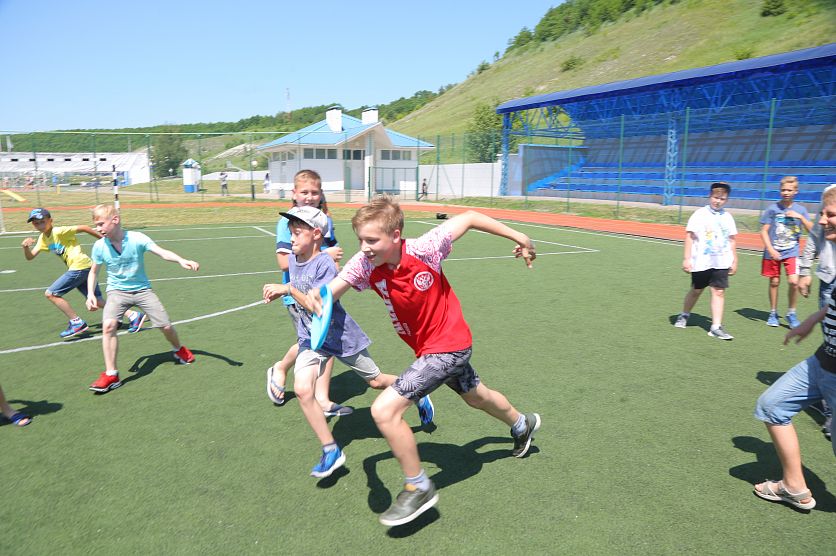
[(583, 249), (674, 242), (7, 271), (265, 231), (96, 337)]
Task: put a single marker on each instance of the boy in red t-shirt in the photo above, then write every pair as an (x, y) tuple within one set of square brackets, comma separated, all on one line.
[(407, 275)]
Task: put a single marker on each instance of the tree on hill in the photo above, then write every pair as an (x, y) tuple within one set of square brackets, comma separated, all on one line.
[(484, 133), (167, 153)]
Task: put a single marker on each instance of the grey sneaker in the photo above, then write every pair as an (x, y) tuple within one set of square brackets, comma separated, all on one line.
[(409, 504), (681, 321), (826, 427), (523, 442), (720, 333)]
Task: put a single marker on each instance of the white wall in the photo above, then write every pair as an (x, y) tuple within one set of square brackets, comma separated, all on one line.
[(458, 180)]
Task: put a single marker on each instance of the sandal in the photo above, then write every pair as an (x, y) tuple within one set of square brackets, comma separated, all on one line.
[(783, 495), (274, 391), (18, 419)]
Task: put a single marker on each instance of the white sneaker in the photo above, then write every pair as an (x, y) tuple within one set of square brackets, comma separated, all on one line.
[(720, 333), (681, 321)]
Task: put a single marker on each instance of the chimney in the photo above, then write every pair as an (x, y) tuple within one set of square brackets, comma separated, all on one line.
[(334, 118), (370, 115)]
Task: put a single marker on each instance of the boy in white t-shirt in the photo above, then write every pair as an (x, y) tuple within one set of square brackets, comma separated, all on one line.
[(710, 257)]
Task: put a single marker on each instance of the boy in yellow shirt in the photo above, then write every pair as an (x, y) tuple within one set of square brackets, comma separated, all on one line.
[(62, 241)]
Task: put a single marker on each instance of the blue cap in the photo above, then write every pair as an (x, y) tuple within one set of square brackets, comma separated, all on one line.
[(39, 214)]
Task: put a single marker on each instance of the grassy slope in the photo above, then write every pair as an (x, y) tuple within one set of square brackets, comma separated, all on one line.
[(690, 34)]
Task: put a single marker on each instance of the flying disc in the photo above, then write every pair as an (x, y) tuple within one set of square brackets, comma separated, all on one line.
[(320, 324)]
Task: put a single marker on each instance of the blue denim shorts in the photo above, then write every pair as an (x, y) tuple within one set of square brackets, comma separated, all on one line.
[(799, 387), (70, 280)]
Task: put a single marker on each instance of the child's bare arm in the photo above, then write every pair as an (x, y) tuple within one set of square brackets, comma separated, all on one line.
[(803, 330), (281, 258), (808, 224), (28, 252), (733, 245), (92, 278), (312, 301), (173, 257), (88, 230), (767, 244), (460, 224)]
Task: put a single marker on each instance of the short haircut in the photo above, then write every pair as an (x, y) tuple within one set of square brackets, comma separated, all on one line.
[(307, 176), (106, 210), (720, 185), (828, 197), (383, 210), (789, 180)]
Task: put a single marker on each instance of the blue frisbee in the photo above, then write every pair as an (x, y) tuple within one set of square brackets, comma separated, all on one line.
[(320, 324)]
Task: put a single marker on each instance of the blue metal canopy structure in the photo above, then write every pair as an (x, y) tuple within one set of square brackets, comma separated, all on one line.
[(788, 90)]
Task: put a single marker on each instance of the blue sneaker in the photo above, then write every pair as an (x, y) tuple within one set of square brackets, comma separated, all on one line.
[(792, 320), (773, 319), (137, 322), (328, 463), (426, 410), (338, 410), (73, 329)]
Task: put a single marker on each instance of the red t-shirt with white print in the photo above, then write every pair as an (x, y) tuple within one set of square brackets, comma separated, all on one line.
[(424, 310)]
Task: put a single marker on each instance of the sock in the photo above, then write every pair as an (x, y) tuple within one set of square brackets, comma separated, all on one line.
[(76, 320), (519, 427), (773, 311), (420, 481), (684, 314), (790, 311), (114, 372), (131, 314), (716, 326), (332, 447)]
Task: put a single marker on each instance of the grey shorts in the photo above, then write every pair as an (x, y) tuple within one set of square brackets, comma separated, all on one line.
[(361, 363), (430, 371), (120, 301)]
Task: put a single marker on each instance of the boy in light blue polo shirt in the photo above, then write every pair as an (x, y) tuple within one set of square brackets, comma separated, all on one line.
[(127, 284)]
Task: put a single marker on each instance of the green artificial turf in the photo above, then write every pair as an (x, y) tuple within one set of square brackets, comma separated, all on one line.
[(648, 444)]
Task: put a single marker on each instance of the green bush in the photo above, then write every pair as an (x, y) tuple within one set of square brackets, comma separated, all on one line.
[(772, 7), (572, 62)]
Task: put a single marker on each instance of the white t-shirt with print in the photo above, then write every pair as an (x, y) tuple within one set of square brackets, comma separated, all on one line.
[(712, 247)]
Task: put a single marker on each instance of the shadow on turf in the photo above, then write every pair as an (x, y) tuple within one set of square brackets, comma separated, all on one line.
[(455, 464), (757, 315), (33, 408), (146, 364), (767, 466), (694, 320)]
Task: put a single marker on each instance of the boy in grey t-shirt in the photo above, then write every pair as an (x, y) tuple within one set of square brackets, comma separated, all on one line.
[(345, 339)]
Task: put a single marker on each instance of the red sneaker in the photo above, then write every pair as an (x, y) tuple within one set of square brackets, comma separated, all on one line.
[(105, 383), (184, 356)]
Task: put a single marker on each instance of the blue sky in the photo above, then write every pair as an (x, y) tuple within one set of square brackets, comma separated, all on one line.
[(112, 64)]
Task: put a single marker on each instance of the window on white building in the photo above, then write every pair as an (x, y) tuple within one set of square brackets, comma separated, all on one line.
[(307, 153)]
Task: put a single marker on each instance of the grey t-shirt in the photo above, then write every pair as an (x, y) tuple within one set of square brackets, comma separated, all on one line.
[(345, 337)]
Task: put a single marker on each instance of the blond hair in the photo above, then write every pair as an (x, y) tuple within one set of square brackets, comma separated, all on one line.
[(384, 211), (310, 176), (789, 180), (106, 210), (828, 197)]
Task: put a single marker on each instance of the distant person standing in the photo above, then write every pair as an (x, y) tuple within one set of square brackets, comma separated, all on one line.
[(267, 182), (424, 188), (224, 185)]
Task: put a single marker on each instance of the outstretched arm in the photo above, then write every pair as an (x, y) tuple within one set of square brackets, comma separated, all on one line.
[(803, 330), (28, 252), (472, 220), (88, 230), (312, 302), (173, 257)]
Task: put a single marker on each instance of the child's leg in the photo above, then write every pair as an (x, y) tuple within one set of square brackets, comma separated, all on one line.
[(110, 343), (171, 335), (62, 304), (308, 366), (691, 299), (776, 406), (792, 281), (491, 402), (718, 300), (387, 411), (774, 282)]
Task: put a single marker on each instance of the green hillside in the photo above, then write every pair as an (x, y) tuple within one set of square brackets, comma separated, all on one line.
[(666, 38)]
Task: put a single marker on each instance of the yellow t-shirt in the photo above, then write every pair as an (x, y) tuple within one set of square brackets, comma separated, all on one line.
[(62, 242)]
